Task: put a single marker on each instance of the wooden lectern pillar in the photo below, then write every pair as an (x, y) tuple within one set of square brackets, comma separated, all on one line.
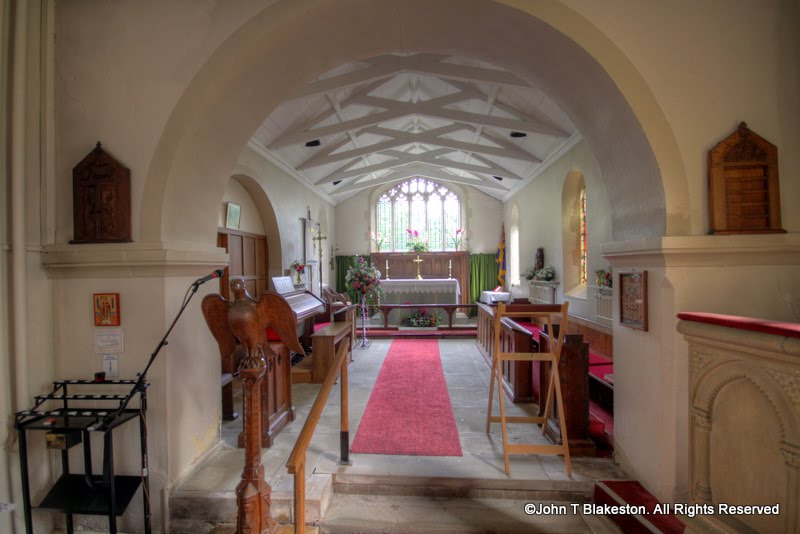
[(247, 321)]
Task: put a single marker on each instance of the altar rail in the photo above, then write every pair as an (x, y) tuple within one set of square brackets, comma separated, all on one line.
[(296, 464), (744, 388), (385, 309)]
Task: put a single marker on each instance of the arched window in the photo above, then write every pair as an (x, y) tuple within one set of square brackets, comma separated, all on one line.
[(422, 205), (583, 235)]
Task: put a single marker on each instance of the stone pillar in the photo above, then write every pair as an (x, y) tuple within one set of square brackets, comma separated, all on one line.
[(701, 490)]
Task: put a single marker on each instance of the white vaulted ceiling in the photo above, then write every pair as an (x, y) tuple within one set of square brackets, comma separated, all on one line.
[(394, 117)]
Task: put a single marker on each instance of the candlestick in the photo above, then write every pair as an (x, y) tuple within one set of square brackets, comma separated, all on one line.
[(449, 268), (387, 269)]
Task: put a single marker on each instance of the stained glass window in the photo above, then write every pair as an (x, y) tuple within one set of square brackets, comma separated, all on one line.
[(419, 204), (583, 235)]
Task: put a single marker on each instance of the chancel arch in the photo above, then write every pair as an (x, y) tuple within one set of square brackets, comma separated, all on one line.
[(250, 74)]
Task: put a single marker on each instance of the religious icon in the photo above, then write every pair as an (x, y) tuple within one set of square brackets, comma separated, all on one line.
[(106, 309), (232, 216)]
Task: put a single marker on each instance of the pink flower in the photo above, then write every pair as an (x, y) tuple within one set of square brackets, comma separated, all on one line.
[(458, 232), (416, 234)]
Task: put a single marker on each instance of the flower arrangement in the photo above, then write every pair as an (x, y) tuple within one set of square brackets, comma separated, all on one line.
[(604, 278), (457, 237), (297, 266), (378, 238), (529, 273), (546, 274), (421, 317), (416, 243), (363, 279)]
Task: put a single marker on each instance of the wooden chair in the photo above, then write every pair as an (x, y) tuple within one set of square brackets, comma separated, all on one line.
[(547, 313)]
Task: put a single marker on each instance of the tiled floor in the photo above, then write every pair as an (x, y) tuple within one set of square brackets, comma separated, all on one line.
[(467, 377)]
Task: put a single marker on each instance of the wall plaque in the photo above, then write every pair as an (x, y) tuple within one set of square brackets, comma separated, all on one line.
[(633, 299), (743, 195), (101, 189)]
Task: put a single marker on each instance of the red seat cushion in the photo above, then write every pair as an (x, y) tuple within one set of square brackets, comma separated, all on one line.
[(272, 335), (598, 359), (320, 326), (600, 371), (533, 328)]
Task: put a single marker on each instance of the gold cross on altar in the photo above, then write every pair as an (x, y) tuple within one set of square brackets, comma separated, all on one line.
[(418, 261)]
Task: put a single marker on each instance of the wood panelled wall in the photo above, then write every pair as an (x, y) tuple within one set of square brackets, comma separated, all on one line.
[(247, 260), (434, 265)]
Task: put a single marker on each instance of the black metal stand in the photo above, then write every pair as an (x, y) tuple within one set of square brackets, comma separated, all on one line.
[(86, 493)]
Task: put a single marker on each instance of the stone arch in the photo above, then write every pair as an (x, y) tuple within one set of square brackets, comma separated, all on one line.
[(282, 48), (716, 377), (271, 229)]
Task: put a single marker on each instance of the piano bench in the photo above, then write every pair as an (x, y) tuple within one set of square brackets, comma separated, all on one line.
[(324, 343)]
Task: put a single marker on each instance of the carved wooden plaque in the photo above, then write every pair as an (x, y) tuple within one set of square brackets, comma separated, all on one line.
[(743, 196), (101, 189)]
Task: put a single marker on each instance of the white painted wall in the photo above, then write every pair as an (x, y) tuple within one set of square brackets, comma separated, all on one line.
[(290, 200), (542, 220)]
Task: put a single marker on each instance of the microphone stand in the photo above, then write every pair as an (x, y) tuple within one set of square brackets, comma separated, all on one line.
[(141, 382)]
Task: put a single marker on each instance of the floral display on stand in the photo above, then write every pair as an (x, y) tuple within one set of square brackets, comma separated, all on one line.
[(421, 318), (417, 243), (364, 281), (299, 268), (529, 273)]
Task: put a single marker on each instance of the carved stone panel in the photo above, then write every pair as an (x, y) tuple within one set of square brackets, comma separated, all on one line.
[(101, 188), (743, 195)]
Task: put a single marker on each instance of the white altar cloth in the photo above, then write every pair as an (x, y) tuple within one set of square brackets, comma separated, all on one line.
[(426, 291)]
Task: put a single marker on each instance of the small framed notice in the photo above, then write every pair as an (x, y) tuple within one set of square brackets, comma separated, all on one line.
[(111, 341), (106, 309), (633, 299)]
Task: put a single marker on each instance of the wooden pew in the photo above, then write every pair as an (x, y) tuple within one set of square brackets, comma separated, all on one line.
[(325, 342)]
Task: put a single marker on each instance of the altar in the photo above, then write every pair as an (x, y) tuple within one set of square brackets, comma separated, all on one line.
[(425, 291)]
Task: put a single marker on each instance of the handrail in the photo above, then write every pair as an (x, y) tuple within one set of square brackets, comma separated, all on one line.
[(297, 459)]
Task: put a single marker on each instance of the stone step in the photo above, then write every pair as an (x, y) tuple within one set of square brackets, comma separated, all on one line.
[(459, 487), (201, 512), (399, 514)]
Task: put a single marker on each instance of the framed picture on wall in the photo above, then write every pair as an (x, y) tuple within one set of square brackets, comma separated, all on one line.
[(232, 216), (633, 299), (106, 309)]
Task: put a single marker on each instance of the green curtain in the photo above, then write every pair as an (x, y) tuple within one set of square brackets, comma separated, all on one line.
[(342, 264), (482, 274)]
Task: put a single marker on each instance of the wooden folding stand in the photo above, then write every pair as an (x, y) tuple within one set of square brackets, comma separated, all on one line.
[(547, 313)]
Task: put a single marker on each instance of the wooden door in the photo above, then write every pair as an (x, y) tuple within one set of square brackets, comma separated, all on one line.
[(248, 258)]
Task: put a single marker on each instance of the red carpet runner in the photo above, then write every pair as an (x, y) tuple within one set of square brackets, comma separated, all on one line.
[(409, 410)]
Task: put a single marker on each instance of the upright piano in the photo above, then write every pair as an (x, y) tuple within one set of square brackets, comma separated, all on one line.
[(277, 409)]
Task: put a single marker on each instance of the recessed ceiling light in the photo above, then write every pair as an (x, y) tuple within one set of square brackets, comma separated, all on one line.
[(518, 134), (337, 182), (498, 178), (315, 142)]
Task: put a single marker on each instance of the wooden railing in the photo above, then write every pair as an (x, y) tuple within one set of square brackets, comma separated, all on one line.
[(385, 309), (297, 460)]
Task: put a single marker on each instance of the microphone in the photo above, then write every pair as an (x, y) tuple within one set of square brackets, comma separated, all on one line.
[(216, 274)]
